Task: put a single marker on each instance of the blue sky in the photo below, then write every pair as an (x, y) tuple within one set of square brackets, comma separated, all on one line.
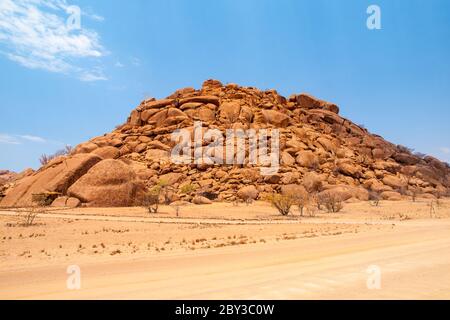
[(63, 86)]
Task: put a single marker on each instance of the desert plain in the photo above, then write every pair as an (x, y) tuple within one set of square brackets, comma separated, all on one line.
[(229, 251)]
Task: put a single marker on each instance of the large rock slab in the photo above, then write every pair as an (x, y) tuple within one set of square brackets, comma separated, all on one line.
[(248, 193), (110, 183), (107, 152), (307, 101), (57, 177), (275, 118)]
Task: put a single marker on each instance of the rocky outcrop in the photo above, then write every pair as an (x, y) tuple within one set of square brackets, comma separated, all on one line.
[(109, 183), (7, 176), (248, 193), (309, 102), (66, 202), (56, 176), (319, 151)]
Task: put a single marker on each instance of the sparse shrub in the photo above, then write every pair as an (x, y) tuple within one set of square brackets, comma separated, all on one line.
[(311, 210), (374, 198), (177, 210), (151, 199), (404, 149), (299, 194), (413, 192), (331, 200), (165, 190), (28, 216), (282, 202), (438, 195), (317, 200), (420, 155), (301, 200), (44, 199), (187, 188), (45, 158), (432, 209)]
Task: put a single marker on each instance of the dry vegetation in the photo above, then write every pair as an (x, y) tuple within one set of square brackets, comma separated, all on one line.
[(28, 238), (46, 158)]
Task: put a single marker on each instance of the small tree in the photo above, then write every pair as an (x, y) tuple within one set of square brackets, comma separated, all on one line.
[(374, 199), (311, 210), (332, 201), (29, 216), (282, 202), (151, 199), (301, 200), (438, 194), (164, 189), (313, 184), (414, 192), (432, 209)]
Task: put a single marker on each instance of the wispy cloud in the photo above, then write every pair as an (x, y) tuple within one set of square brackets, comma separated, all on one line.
[(95, 74), (6, 138), (445, 150), (33, 138), (35, 34)]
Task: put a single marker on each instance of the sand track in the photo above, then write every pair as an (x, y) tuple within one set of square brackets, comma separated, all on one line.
[(213, 221), (414, 262)]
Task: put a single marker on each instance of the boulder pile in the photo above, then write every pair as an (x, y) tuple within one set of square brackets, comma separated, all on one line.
[(319, 150)]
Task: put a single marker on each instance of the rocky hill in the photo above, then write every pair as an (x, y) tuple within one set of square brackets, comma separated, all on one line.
[(316, 145), (6, 177)]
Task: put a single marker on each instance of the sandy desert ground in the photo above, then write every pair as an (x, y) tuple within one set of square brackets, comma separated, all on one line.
[(223, 251)]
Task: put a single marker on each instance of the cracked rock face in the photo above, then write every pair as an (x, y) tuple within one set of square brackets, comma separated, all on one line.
[(315, 141)]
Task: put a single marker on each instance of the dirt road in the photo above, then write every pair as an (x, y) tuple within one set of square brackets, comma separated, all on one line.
[(175, 220), (413, 261)]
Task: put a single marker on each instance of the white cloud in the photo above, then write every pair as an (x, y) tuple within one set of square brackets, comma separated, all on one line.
[(6, 138), (34, 33), (94, 16), (95, 74), (33, 138), (118, 64), (445, 150)]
